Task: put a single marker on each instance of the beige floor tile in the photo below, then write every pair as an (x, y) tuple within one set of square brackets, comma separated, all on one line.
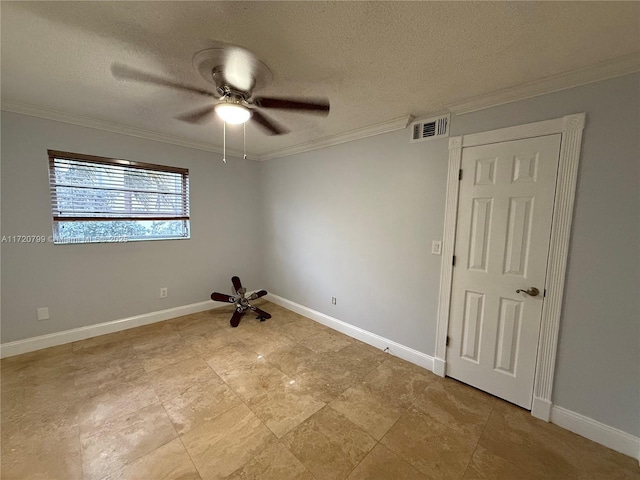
[(220, 446), (290, 359), (198, 324), (111, 375), (120, 441), (284, 406), (454, 407), (153, 332), (232, 357), (432, 448), (328, 444), (359, 358), (115, 340), (201, 402), (298, 328), (173, 380), (399, 381), (382, 464), (96, 356), (252, 380), (325, 376), (168, 462), (157, 355), (325, 341), (38, 367), (370, 411), (46, 451), (36, 417), (115, 403), (537, 446), (207, 344), (38, 397), (274, 463), (484, 465), (264, 341)]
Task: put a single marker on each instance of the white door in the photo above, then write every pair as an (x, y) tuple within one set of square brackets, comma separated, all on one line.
[(502, 243)]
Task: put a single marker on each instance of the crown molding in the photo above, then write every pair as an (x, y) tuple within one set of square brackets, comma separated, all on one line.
[(601, 71), (83, 121), (370, 131)]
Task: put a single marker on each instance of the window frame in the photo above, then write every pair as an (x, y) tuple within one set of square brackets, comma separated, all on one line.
[(59, 218)]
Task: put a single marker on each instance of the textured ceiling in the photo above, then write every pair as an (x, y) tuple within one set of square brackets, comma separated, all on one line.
[(376, 61)]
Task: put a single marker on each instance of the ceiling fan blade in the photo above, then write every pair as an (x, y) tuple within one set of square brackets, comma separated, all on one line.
[(262, 313), (240, 68), (271, 127), (201, 115), (123, 72), (235, 318), (237, 284), (317, 105), (221, 297)]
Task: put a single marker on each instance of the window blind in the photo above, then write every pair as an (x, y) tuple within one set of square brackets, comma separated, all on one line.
[(87, 188)]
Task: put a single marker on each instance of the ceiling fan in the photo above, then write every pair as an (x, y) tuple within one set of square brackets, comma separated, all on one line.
[(236, 73), (241, 302)]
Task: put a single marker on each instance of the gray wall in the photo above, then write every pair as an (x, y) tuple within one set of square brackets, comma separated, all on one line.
[(93, 283), (355, 221)]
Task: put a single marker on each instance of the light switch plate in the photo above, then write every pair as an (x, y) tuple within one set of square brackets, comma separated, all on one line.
[(436, 247)]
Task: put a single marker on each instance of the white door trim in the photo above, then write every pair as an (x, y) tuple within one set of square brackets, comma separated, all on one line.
[(570, 127)]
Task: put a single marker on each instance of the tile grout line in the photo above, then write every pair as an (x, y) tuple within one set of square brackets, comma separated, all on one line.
[(478, 442)]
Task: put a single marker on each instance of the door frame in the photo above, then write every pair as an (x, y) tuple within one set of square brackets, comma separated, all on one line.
[(571, 128)]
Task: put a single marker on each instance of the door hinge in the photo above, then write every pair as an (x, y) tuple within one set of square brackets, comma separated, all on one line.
[(544, 293), (459, 174), (453, 262), (447, 342)]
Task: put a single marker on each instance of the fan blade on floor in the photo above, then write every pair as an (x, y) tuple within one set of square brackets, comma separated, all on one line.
[(267, 124), (260, 312), (235, 318), (258, 294), (201, 115), (237, 284), (318, 105), (221, 297), (123, 72)]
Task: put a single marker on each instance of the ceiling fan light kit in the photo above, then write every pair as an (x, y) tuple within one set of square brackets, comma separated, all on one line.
[(232, 113), (236, 73)]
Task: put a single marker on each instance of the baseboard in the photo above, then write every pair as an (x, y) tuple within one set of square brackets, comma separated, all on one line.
[(394, 348), (67, 336), (439, 367), (613, 438), (541, 409)]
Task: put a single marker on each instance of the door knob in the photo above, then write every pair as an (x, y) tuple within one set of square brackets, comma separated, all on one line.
[(533, 291)]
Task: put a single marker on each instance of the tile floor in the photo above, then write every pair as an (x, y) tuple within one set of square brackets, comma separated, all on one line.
[(191, 398)]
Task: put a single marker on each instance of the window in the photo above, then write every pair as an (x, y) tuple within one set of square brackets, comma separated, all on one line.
[(95, 199)]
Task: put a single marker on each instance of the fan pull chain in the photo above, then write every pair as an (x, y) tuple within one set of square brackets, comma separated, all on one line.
[(224, 142), (244, 140)]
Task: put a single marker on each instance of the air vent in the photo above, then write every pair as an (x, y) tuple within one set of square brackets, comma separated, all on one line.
[(430, 128)]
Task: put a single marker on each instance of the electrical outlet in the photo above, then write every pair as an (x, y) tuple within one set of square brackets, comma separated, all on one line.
[(164, 292), (43, 313), (333, 300), (436, 247)]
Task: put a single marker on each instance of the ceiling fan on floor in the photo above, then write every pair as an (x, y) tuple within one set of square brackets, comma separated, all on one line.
[(241, 302), (236, 73)]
